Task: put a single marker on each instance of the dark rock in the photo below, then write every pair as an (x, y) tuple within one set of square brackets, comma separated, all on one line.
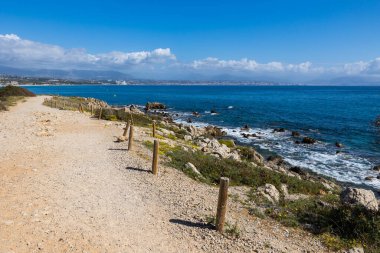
[(338, 152), (245, 128), (189, 120), (308, 140), (278, 130), (297, 170), (196, 114), (297, 142), (214, 131), (378, 176), (154, 106), (369, 178), (213, 111), (376, 168), (338, 145), (276, 159), (377, 121), (295, 134)]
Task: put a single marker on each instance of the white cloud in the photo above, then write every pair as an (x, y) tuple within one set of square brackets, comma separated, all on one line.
[(15, 51), (22, 53)]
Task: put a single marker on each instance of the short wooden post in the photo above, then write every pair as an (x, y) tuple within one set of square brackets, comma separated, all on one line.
[(155, 157), (222, 203), (126, 128), (80, 108), (100, 113), (130, 139), (154, 129)]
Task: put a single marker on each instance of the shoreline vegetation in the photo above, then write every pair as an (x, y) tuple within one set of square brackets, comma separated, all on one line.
[(341, 218), (10, 95)]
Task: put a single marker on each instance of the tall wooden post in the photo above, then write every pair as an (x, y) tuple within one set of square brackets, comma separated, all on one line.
[(126, 128), (155, 157), (154, 129), (130, 139), (100, 113), (222, 203)]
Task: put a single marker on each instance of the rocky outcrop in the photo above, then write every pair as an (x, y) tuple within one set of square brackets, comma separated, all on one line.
[(213, 146), (338, 145), (356, 196), (376, 167), (154, 106), (296, 134), (270, 192), (308, 140), (192, 167)]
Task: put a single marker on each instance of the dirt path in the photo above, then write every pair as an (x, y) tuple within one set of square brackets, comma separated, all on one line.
[(67, 187)]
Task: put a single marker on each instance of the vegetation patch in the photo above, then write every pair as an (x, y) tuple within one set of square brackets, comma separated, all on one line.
[(10, 95), (339, 226), (239, 172), (228, 142)]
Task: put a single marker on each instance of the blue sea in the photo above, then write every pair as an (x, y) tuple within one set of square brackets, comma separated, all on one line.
[(328, 114)]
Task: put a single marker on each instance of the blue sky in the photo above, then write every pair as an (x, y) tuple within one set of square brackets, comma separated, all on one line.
[(327, 34)]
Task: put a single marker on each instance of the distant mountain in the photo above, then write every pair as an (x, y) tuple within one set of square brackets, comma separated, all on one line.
[(73, 74)]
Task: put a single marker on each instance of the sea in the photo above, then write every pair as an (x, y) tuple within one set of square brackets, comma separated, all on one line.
[(330, 114)]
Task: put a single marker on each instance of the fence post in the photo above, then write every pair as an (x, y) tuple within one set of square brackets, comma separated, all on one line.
[(100, 113), (130, 139), (126, 128), (64, 105), (154, 129), (155, 157), (222, 203)]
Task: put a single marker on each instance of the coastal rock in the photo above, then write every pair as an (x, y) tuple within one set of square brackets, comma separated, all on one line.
[(298, 170), (356, 196), (275, 159), (295, 134), (234, 156), (376, 168), (213, 131), (245, 128), (189, 120), (279, 130), (369, 178), (353, 250), (270, 192), (154, 106), (308, 140), (166, 132), (338, 145), (187, 138), (192, 167)]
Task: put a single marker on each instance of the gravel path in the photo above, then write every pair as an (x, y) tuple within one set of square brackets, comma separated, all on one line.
[(66, 186)]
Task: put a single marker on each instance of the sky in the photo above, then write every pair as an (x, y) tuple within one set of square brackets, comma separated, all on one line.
[(293, 40)]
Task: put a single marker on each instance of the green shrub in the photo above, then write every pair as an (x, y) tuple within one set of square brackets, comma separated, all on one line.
[(229, 143), (239, 172), (15, 91)]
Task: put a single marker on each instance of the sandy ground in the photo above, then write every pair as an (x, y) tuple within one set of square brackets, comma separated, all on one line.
[(66, 186)]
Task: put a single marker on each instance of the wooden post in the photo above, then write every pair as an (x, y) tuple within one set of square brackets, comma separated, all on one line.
[(155, 157), (100, 113), (222, 203), (92, 109), (130, 139), (154, 129), (80, 107), (126, 128), (64, 105)]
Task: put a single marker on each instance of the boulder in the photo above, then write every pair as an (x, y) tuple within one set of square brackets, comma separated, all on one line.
[(295, 134), (308, 140), (275, 159), (189, 120), (376, 168), (187, 138), (234, 156), (369, 178), (338, 145), (357, 196), (154, 106), (213, 131), (279, 130), (245, 128), (270, 192), (192, 167)]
